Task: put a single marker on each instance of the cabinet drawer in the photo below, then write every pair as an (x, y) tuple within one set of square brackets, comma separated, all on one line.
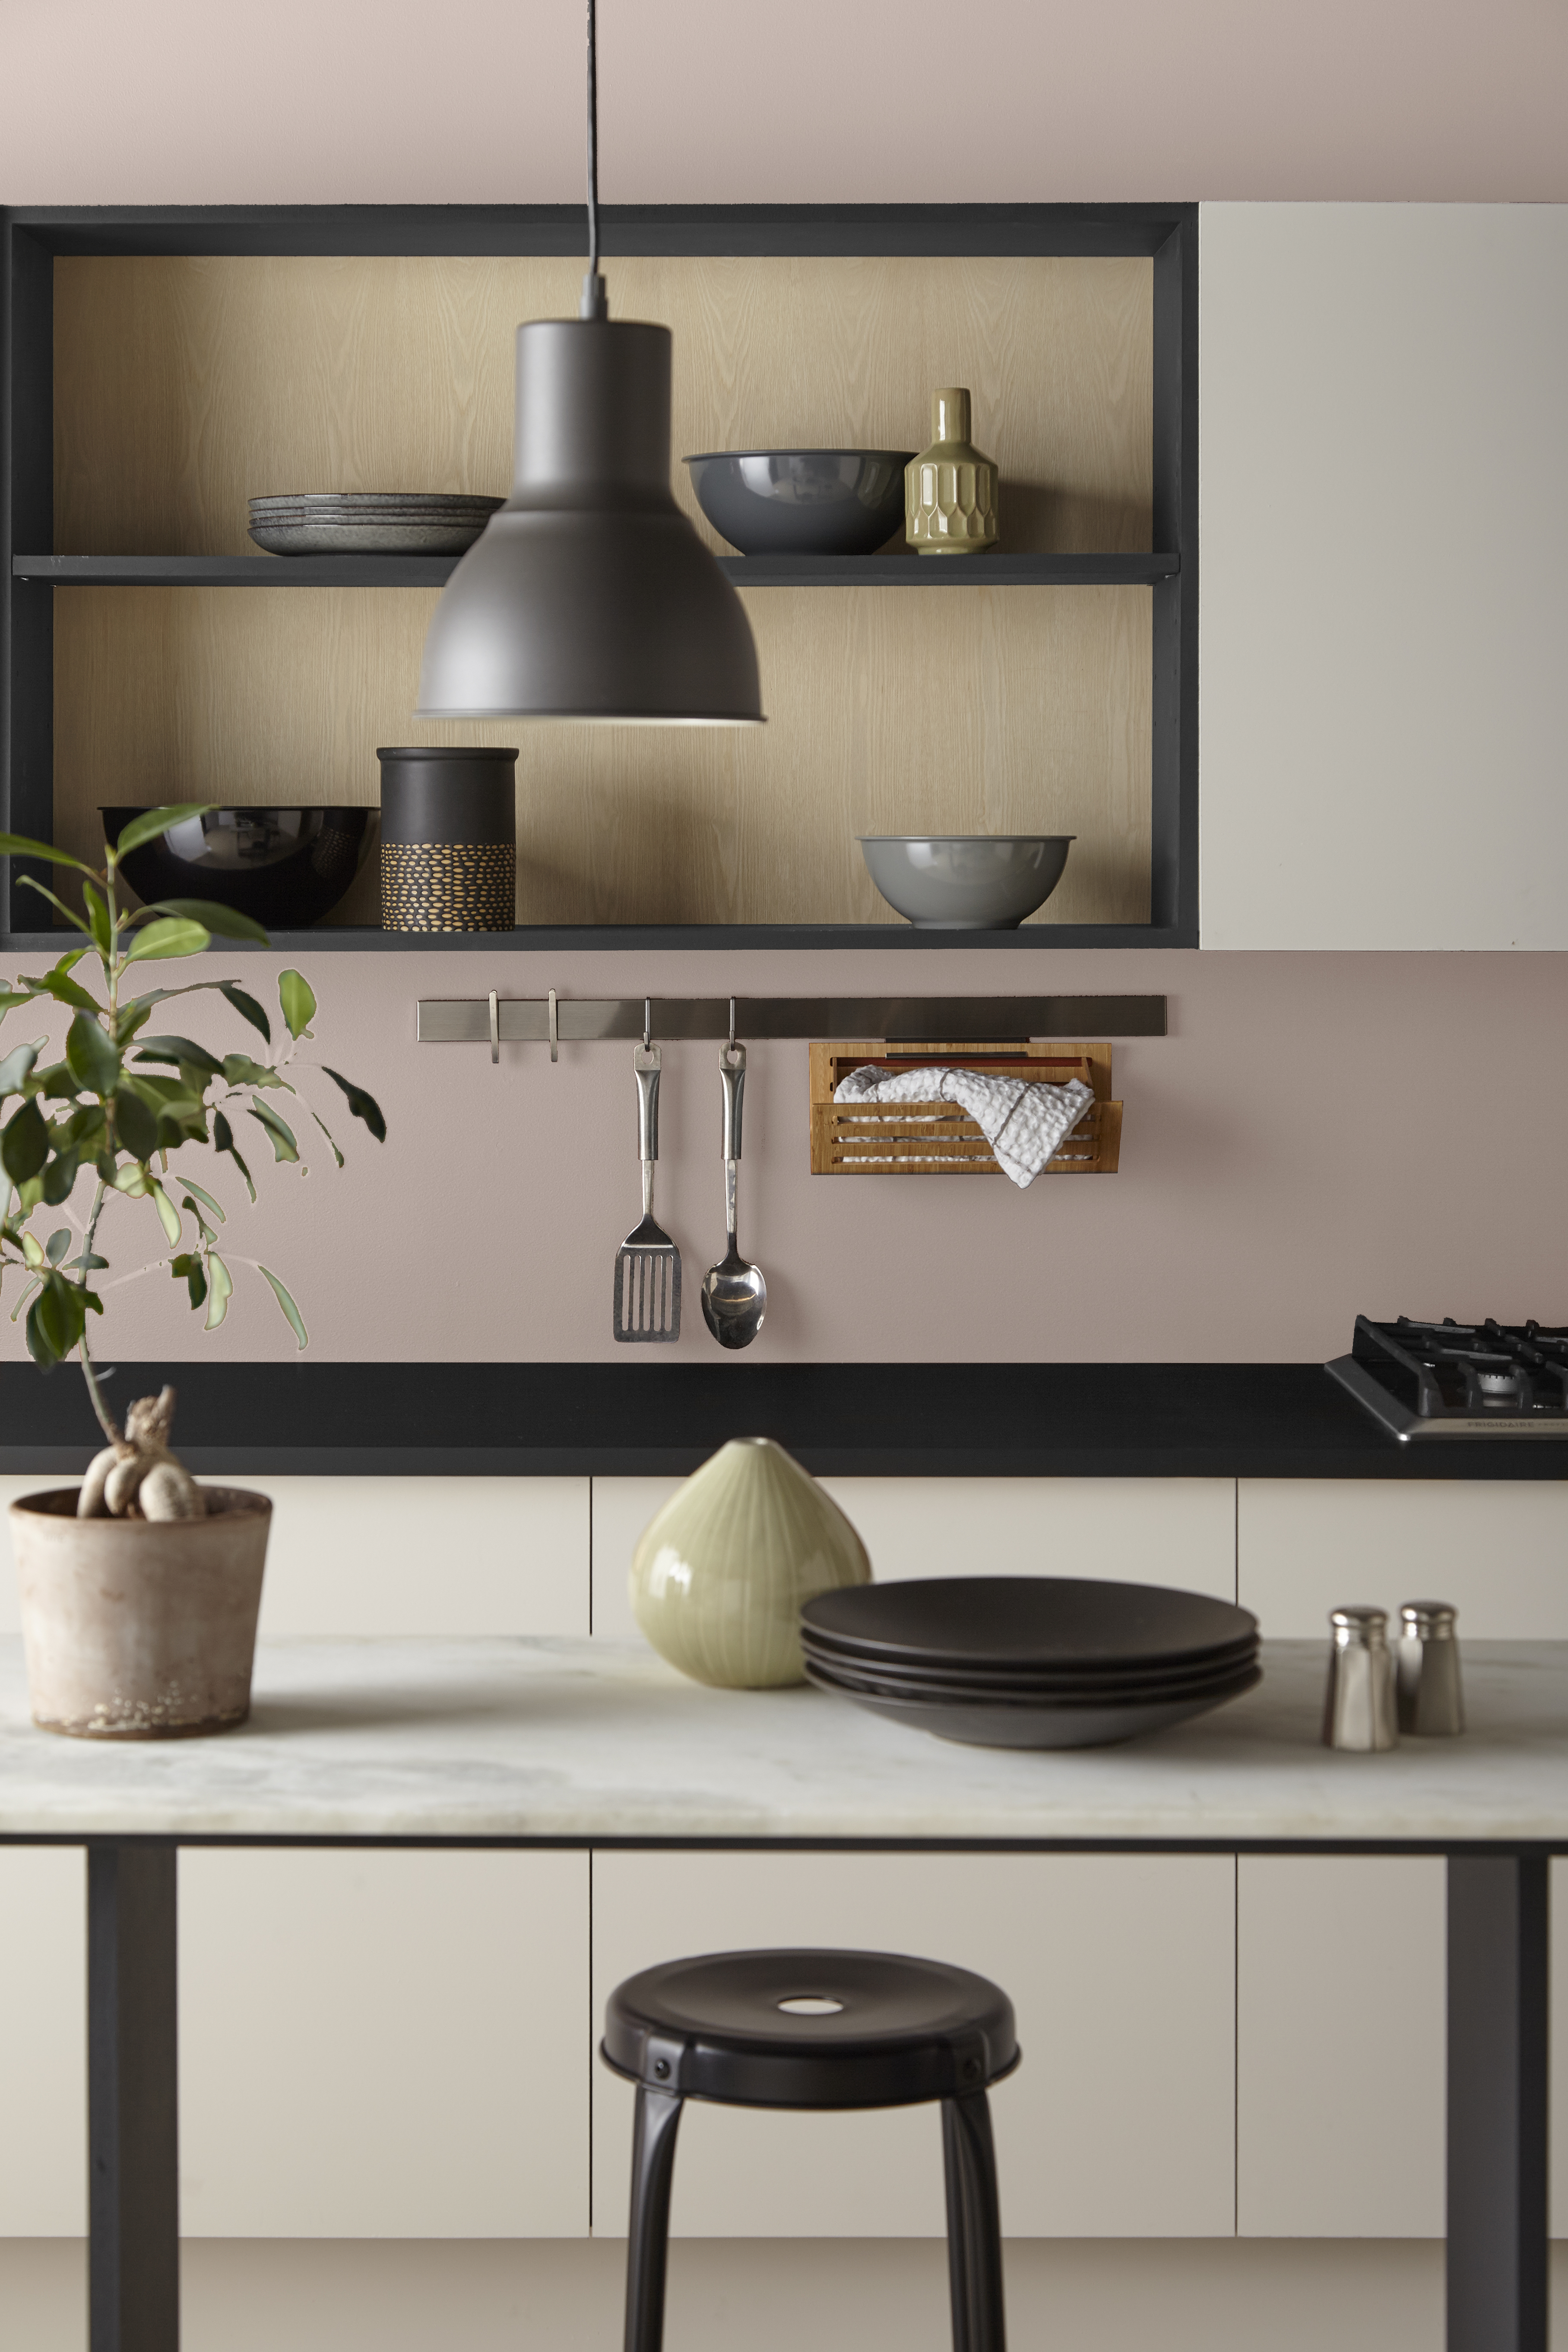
[(1119, 2122), (42, 2055), (381, 2044)]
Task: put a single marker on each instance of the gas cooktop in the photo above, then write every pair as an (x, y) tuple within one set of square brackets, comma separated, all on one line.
[(1460, 1380)]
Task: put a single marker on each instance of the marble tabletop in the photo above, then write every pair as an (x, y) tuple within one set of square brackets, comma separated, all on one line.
[(593, 1741)]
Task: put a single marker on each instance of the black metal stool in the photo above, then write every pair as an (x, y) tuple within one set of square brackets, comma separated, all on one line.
[(815, 2030)]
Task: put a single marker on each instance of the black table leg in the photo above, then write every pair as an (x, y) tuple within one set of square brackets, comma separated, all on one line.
[(133, 2204), (1498, 1949)]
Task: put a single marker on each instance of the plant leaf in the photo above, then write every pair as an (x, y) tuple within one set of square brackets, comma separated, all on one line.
[(182, 1050), (207, 1201), (92, 1059), (31, 1250), (58, 983), (241, 1071), (172, 934), (168, 1215), (297, 997), (227, 922), (222, 1290), (296, 1320), (135, 1124), (24, 1143), (189, 1266), (60, 1241), (72, 918), (246, 1007), (41, 1349), (60, 1175), (132, 1180), (327, 1131), (363, 1106), (153, 822), (284, 1146), (223, 1141), (18, 845), (17, 1068), (11, 997), (98, 921)]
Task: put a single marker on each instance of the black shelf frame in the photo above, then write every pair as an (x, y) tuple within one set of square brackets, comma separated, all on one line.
[(31, 239)]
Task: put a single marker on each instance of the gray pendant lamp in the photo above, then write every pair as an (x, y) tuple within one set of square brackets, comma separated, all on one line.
[(589, 595)]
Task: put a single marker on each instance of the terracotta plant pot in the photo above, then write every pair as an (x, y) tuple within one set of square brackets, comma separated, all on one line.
[(139, 1629)]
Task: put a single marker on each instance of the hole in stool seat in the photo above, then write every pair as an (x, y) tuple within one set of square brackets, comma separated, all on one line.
[(810, 2004)]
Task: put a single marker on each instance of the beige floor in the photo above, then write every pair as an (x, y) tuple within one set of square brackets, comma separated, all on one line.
[(840, 2296)]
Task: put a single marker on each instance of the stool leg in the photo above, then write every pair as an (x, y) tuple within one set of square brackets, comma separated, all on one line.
[(973, 2225), (653, 2168)]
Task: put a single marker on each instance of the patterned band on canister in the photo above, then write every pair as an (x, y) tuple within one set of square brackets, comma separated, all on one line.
[(449, 839)]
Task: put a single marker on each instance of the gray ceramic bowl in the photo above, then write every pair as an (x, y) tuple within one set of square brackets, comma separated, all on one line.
[(802, 502), (966, 881)]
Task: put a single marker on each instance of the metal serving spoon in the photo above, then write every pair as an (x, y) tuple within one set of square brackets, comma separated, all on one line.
[(734, 1296)]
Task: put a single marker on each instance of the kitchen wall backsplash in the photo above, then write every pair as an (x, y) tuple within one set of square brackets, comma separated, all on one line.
[(1318, 1135)]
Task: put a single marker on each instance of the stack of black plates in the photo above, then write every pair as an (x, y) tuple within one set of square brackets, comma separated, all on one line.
[(369, 522), (1030, 1661)]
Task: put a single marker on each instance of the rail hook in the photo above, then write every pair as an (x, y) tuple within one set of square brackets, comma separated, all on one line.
[(495, 1028), (554, 1030)]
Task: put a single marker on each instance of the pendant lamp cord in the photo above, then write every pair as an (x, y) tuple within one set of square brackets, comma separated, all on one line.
[(595, 301)]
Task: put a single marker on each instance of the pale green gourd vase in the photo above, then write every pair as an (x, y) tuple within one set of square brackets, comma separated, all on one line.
[(950, 489), (719, 1574)]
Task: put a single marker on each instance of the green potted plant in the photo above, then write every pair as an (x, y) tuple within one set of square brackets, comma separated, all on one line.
[(139, 1588)]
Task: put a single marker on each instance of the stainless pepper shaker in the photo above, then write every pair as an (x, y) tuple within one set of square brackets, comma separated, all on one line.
[(1431, 1700), (1359, 1711)]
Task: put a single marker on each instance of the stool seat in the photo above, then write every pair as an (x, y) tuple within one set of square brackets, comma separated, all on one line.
[(811, 2028)]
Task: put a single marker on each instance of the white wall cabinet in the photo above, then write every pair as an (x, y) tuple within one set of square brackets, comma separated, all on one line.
[(1118, 2122), (1384, 490)]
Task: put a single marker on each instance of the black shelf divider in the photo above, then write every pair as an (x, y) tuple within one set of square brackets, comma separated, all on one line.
[(895, 571)]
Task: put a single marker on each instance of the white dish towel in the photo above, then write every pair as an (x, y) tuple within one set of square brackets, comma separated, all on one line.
[(1024, 1120)]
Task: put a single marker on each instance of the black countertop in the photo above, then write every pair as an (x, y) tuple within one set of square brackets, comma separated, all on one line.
[(1085, 1421)]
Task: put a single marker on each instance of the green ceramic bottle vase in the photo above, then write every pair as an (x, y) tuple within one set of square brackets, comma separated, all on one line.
[(950, 489), (719, 1574)]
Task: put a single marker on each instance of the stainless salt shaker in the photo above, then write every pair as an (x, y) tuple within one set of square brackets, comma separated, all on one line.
[(1359, 1711), (1431, 1701)]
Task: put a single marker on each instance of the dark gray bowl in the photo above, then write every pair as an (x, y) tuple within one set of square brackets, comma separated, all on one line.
[(802, 502), (966, 881), (284, 868)]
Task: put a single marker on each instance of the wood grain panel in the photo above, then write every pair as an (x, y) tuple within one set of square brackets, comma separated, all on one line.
[(891, 710), (186, 385)]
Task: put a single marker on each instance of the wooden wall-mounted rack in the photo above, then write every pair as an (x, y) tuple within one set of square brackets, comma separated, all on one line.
[(936, 1139)]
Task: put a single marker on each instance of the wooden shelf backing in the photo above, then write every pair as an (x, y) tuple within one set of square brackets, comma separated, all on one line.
[(935, 1139), (891, 570)]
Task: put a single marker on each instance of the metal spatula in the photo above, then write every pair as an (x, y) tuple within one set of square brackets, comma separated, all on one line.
[(647, 1264)]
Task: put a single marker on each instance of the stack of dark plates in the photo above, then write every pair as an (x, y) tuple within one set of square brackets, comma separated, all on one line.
[(369, 522), (1030, 1661)]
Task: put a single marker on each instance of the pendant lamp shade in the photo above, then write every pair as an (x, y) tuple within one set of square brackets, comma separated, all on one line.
[(589, 595)]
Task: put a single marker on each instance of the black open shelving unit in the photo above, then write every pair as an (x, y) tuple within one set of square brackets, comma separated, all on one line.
[(30, 239)]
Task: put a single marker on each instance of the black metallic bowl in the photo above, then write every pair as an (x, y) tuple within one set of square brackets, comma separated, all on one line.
[(802, 502), (285, 867)]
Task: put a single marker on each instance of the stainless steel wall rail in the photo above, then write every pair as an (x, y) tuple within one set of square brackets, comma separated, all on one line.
[(954, 1020)]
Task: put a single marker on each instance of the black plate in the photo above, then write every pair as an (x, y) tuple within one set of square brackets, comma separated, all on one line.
[(965, 1690), (885, 1682), (1024, 1621), (1043, 1727), (1230, 1657)]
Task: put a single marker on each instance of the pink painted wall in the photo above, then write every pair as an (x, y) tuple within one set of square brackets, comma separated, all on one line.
[(325, 102), (1317, 1135)]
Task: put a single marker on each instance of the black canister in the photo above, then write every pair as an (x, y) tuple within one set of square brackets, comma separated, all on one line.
[(449, 839)]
